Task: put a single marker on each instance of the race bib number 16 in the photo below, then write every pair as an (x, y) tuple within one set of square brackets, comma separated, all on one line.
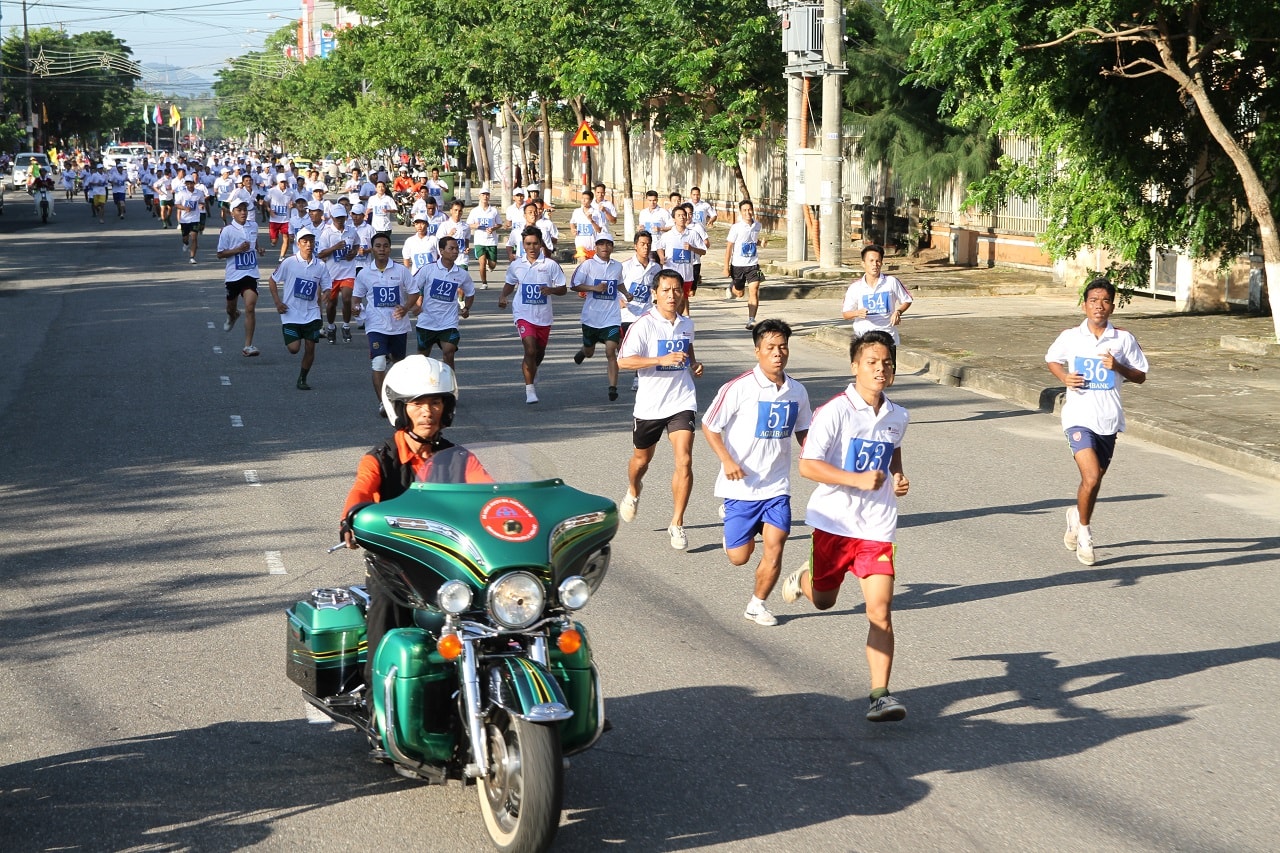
[(863, 455)]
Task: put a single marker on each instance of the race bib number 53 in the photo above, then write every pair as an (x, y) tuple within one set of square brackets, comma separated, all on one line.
[(863, 455)]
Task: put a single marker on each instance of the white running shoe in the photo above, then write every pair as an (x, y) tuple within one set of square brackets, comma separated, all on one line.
[(1084, 546), (530, 395), (1073, 524), (678, 540), (627, 507), (760, 615), (791, 589), (886, 709)]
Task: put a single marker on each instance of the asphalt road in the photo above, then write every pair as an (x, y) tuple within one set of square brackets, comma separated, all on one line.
[(164, 499)]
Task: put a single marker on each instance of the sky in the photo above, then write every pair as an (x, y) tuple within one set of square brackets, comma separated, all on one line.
[(197, 35)]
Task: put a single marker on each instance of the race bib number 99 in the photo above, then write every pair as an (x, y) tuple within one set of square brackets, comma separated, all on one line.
[(863, 455), (775, 420), (1096, 377), (666, 347), (386, 297), (531, 293), (305, 289), (876, 303)]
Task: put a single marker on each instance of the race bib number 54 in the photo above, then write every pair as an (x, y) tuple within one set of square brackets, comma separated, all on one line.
[(863, 455), (1096, 377)]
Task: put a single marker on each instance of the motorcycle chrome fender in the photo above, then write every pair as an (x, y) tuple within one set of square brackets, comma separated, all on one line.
[(524, 689)]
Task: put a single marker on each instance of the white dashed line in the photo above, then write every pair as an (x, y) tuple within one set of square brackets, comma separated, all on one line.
[(210, 324), (251, 477), (237, 421), (226, 380), (275, 565), (217, 350)]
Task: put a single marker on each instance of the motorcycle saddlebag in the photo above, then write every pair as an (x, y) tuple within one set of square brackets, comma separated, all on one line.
[(326, 643)]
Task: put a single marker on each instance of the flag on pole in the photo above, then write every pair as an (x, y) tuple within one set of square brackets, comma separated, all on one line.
[(156, 118), (174, 116), (146, 116)]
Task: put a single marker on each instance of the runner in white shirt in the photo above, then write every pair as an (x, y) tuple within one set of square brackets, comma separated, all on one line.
[(336, 245), (189, 201), (381, 210), (876, 301), (280, 200), (599, 279), (1092, 360), (742, 261), (606, 213), (515, 210), (638, 275), (654, 219), (585, 226), (697, 259), (676, 249), (484, 221), (365, 232), (854, 452), (515, 245), (144, 180), (419, 247), (119, 181), (453, 226), (749, 427), (296, 288), (659, 346), (532, 278), (164, 195), (704, 213), (383, 295), (437, 287), (299, 218), (436, 188), (222, 188), (239, 249)]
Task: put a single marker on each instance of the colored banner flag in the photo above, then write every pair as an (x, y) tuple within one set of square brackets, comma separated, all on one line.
[(174, 116), (146, 116), (156, 118)]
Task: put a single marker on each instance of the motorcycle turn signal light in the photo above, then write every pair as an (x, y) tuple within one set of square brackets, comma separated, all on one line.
[(569, 641), (449, 646)]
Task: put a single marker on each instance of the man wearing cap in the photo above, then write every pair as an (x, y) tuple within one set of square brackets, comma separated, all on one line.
[(119, 181), (403, 183), (364, 237), (483, 222), (419, 248), (296, 286), (436, 287), (279, 201), (189, 200), (384, 295), (515, 210), (164, 196), (597, 278), (239, 249), (299, 218), (336, 245), (222, 188)]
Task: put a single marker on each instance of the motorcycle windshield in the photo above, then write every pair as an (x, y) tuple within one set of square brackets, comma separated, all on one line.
[(477, 511)]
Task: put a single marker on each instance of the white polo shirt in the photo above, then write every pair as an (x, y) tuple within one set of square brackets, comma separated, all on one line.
[(480, 220), (419, 251), (383, 291), (1096, 405), (529, 303), (439, 288), (243, 264), (342, 263), (850, 434), (654, 221), (638, 280), (600, 310), (677, 250), (880, 301), (745, 239), (664, 391), (300, 284), (757, 420)]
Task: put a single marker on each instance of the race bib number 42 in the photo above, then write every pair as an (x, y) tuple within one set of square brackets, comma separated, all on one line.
[(1096, 377), (775, 420), (443, 290), (863, 455)]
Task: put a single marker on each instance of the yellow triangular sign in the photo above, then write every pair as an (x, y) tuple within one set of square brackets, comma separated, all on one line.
[(585, 137)]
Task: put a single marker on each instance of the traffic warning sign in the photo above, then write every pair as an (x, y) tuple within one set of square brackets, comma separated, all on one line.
[(585, 137)]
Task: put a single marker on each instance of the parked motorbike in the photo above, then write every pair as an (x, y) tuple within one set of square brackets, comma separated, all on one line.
[(495, 681)]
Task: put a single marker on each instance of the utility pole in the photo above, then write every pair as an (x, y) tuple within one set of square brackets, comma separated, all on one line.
[(832, 196), (26, 55)]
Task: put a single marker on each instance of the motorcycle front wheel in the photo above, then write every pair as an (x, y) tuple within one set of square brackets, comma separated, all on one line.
[(521, 797)]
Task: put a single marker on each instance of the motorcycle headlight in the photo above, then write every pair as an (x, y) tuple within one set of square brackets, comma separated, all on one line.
[(574, 593), (516, 601), (454, 597)]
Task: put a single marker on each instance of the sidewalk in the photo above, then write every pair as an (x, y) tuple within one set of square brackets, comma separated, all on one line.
[(988, 330)]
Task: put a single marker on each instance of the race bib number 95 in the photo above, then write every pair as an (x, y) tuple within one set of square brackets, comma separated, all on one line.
[(386, 297), (775, 420), (863, 455), (1096, 377)]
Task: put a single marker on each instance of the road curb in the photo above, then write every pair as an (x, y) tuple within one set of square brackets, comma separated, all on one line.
[(1037, 397)]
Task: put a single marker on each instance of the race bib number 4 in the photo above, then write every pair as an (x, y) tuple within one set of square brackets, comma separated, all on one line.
[(387, 297), (876, 303), (775, 420), (681, 256), (305, 289), (666, 347), (1096, 377), (863, 455)]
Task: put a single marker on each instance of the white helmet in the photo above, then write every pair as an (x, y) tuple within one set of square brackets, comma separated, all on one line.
[(414, 377)]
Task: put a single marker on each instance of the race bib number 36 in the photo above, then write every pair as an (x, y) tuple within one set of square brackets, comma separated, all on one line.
[(666, 347), (775, 420), (1096, 377), (863, 455)]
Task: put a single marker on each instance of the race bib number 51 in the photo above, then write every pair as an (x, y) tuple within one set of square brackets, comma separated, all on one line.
[(863, 455), (775, 420), (1096, 377)]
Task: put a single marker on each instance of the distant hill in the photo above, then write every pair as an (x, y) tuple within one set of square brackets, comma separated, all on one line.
[(162, 79)]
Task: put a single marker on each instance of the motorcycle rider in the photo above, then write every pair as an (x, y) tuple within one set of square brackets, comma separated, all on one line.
[(419, 396)]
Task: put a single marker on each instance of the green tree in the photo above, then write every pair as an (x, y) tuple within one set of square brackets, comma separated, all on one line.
[(1152, 117)]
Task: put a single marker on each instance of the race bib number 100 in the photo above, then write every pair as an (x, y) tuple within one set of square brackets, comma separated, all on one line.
[(775, 420), (863, 455), (1096, 377), (247, 260)]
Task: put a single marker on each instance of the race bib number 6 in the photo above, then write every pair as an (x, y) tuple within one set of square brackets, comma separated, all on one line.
[(863, 455), (1096, 377)]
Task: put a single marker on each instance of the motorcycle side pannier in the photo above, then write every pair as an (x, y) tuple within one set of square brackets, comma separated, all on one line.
[(326, 643)]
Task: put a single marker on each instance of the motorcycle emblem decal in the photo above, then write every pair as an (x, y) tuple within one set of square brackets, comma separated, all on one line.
[(507, 518)]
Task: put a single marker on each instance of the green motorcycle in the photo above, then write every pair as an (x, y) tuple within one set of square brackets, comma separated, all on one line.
[(494, 682)]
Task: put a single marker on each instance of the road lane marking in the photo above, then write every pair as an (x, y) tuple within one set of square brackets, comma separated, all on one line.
[(237, 421), (251, 477), (226, 380), (275, 565), (217, 350), (209, 325)]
